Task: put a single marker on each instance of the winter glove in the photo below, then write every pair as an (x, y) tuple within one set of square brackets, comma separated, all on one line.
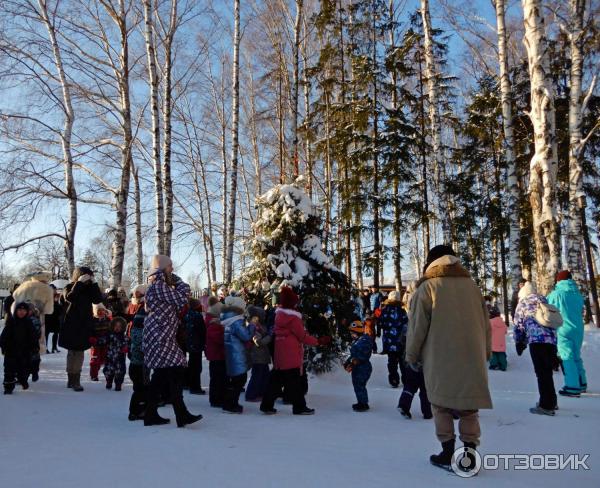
[(85, 278), (416, 367), (521, 346), (92, 341), (348, 365), (124, 349), (324, 340)]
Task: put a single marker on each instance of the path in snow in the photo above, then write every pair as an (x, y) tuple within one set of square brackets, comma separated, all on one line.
[(53, 437)]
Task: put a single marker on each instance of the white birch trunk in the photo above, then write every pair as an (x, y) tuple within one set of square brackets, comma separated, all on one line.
[(167, 129), (154, 88), (434, 119), (296, 85), (234, 143), (66, 137), (139, 246), (509, 143), (574, 237), (543, 166)]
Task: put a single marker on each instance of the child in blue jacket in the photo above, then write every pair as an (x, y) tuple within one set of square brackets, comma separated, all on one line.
[(359, 364)]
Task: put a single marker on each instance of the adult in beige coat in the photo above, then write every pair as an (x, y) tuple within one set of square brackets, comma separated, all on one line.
[(449, 334), (40, 294)]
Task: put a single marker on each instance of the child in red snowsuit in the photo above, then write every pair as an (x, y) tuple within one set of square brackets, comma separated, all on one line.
[(99, 340)]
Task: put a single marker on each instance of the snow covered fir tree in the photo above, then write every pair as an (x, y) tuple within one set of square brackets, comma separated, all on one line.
[(287, 250)]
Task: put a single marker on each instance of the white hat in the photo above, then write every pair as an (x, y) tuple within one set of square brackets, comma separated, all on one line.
[(96, 307), (159, 262), (394, 296)]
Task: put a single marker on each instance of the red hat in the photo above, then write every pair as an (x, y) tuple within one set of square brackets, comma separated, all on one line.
[(563, 275), (287, 298)]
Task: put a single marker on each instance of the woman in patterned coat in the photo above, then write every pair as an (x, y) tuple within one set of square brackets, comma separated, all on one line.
[(166, 296)]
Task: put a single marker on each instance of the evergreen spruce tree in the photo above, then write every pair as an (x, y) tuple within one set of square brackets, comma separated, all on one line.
[(287, 250)]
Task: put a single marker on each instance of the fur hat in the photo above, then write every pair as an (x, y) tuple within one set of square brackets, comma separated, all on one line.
[(436, 253), (96, 307), (394, 296), (527, 289), (563, 275), (254, 311), (236, 303), (43, 276), (159, 262), (80, 271), (139, 289), (287, 298)]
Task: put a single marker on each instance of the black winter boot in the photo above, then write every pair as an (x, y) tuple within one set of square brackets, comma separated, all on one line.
[(360, 407), (69, 380), (444, 459)]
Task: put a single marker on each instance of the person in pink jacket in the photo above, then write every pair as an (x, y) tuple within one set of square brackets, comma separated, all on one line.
[(290, 337), (498, 359)]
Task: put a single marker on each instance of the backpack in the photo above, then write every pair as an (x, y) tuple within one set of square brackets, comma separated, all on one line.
[(548, 316)]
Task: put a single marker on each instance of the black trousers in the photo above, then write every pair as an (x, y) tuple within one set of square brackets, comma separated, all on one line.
[(137, 404), (172, 379), (235, 384), (414, 381), (218, 383), (292, 382), (16, 369), (394, 364), (193, 370), (544, 359)]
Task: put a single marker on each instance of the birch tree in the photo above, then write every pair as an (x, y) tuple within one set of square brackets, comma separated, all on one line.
[(153, 81), (509, 145), (543, 165), (577, 107), (234, 143)]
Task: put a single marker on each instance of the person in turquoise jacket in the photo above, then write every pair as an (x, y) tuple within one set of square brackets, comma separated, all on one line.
[(567, 298)]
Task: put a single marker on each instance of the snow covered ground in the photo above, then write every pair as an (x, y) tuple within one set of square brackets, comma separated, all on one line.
[(54, 437)]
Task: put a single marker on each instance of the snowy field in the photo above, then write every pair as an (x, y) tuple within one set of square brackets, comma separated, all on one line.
[(54, 437)]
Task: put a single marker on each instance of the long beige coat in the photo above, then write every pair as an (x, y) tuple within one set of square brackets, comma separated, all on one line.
[(449, 332)]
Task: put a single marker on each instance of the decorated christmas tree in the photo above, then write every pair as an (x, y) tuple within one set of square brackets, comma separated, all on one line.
[(287, 251)]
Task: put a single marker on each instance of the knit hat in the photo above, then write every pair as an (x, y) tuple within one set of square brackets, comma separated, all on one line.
[(254, 311), (357, 327), (235, 302), (394, 296), (437, 252), (159, 262), (565, 274), (287, 298), (23, 305), (493, 311), (215, 308)]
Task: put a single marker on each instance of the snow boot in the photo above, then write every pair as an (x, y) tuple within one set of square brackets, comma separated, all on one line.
[(94, 378), (305, 411), (270, 411), (109, 384), (405, 413), (236, 409), (25, 385), (76, 382), (156, 419), (188, 419), (444, 459), (360, 407), (118, 387), (69, 380), (538, 404), (542, 411), (133, 417), (569, 393), (197, 391), (35, 376)]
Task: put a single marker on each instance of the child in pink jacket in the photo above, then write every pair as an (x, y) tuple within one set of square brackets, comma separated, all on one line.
[(498, 359)]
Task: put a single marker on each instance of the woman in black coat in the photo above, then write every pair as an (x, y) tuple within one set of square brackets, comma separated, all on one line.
[(53, 322), (79, 296)]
